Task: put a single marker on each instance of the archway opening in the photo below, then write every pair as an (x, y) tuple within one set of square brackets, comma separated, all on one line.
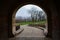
[(29, 17)]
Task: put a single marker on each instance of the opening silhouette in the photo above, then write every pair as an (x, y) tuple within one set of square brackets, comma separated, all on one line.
[(30, 21)]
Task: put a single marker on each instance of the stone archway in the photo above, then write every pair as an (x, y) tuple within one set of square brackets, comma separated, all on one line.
[(50, 6), (42, 5), (14, 22)]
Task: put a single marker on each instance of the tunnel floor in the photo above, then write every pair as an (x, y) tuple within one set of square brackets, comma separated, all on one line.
[(30, 33)]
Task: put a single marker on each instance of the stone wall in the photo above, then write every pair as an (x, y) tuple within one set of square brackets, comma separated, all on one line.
[(7, 8)]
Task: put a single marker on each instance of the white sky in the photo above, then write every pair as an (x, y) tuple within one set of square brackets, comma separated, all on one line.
[(23, 11)]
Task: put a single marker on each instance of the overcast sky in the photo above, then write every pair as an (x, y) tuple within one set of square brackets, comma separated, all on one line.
[(23, 11)]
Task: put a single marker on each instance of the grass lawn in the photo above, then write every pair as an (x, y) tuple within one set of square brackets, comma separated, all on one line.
[(38, 22)]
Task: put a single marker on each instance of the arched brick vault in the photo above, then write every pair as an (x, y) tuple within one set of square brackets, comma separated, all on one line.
[(51, 7), (42, 4), (7, 8)]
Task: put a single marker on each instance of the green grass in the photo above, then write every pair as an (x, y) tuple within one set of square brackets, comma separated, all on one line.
[(39, 22)]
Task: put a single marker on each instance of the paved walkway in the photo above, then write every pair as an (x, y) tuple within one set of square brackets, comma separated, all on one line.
[(30, 33)]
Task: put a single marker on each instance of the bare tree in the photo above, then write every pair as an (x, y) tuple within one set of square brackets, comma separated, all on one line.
[(35, 14)]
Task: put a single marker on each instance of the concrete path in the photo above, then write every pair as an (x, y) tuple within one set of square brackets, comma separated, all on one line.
[(31, 32)]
